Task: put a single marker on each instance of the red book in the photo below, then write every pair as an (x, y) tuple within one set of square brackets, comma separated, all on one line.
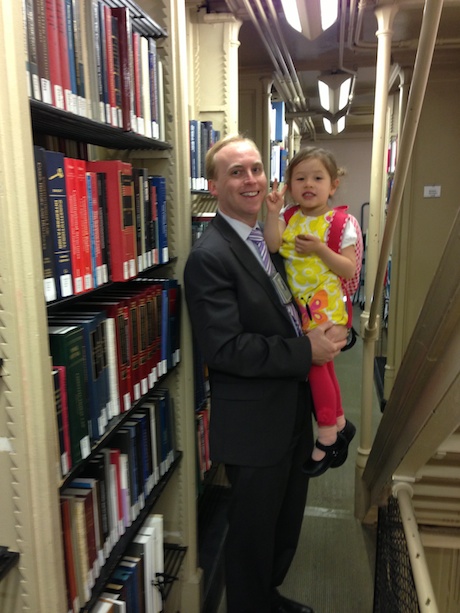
[(63, 50), (125, 53), (65, 415), (139, 127), (120, 216), (74, 225), (82, 205), (73, 602), (54, 54), (110, 64), (126, 65)]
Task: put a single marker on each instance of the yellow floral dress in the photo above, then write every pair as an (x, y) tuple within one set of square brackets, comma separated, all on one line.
[(316, 289)]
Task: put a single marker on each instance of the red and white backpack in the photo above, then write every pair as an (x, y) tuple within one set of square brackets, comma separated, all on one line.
[(334, 240)]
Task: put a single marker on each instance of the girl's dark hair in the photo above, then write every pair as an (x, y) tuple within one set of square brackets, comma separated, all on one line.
[(323, 155)]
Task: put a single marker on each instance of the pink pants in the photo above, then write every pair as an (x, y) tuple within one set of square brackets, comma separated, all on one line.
[(325, 390)]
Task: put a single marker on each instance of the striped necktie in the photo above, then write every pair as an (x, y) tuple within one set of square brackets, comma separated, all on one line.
[(257, 238)]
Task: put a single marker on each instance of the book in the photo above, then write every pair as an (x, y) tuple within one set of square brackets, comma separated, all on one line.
[(89, 48), (194, 145), (136, 432), (160, 184), (112, 498), (63, 43), (120, 216), (139, 208), (125, 441), (161, 106), (103, 606), (88, 483), (156, 521), (95, 469), (91, 325), (94, 228), (54, 53), (135, 565), (148, 408), (93, 24), (32, 53), (71, 56), (153, 224), (59, 222), (73, 600), (145, 85), (67, 349), (110, 74), (143, 546), (104, 97), (117, 71), (62, 415), (164, 419), (125, 53), (137, 99), (84, 224), (85, 496), (78, 27), (119, 606), (145, 450), (103, 225), (41, 38), (49, 273), (76, 242), (84, 579), (114, 455), (153, 72)]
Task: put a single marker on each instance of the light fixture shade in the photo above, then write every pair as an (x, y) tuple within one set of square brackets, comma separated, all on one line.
[(334, 127), (334, 91), (311, 17)]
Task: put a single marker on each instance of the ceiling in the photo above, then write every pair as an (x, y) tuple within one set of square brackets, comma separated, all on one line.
[(349, 45)]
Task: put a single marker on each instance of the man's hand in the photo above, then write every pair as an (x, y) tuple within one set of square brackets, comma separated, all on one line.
[(323, 349)]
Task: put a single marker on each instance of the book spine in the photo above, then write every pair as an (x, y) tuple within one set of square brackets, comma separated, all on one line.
[(31, 41), (71, 56), (160, 184), (154, 222), (139, 120), (74, 224), (69, 557), (82, 206), (125, 54), (61, 19), (153, 70), (49, 273), (92, 234), (59, 223), (94, 211), (66, 452), (54, 54), (145, 91), (104, 64), (94, 23), (103, 224), (110, 64), (78, 25), (42, 51)]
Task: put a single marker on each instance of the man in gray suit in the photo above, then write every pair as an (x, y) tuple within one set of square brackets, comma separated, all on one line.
[(261, 427)]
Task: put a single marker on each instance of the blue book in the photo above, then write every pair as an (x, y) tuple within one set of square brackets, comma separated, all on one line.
[(57, 200), (194, 154), (71, 55), (134, 429), (92, 230), (160, 184), (145, 451)]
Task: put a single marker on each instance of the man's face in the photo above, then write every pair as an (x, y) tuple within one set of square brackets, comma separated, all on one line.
[(240, 184)]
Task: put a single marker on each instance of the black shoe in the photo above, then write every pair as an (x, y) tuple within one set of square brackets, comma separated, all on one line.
[(348, 433), (315, 468), (285, 605)]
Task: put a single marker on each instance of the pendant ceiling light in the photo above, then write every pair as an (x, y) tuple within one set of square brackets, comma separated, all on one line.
[(311, 17)]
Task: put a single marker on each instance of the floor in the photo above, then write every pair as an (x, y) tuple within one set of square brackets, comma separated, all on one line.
[(334, 565)]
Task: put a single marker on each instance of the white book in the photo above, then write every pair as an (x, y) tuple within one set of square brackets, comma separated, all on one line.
[(145, 539), (156, 521)]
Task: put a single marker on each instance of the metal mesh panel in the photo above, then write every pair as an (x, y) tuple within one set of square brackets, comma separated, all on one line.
[(394, 583)]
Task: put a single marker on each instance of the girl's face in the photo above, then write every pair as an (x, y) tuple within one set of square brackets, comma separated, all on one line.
[(311, 186)]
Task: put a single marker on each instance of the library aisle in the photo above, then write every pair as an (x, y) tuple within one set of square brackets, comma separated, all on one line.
[(333, 570)]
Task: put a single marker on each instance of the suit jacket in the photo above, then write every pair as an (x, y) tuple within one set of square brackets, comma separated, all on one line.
[(255, 360)]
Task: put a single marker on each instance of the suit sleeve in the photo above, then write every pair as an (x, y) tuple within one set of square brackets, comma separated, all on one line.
[(238, 328)]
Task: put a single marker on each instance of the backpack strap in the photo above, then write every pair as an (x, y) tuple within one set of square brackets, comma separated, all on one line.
[(289, 212), (334, 241)]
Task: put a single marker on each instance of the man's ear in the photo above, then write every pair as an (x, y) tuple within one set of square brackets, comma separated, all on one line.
[(212, 187)]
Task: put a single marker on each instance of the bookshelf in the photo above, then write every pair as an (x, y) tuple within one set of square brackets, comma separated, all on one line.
[(29, 466)]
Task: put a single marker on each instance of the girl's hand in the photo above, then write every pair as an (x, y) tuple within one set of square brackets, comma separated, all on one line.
[(306, 243), (275, 199)]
